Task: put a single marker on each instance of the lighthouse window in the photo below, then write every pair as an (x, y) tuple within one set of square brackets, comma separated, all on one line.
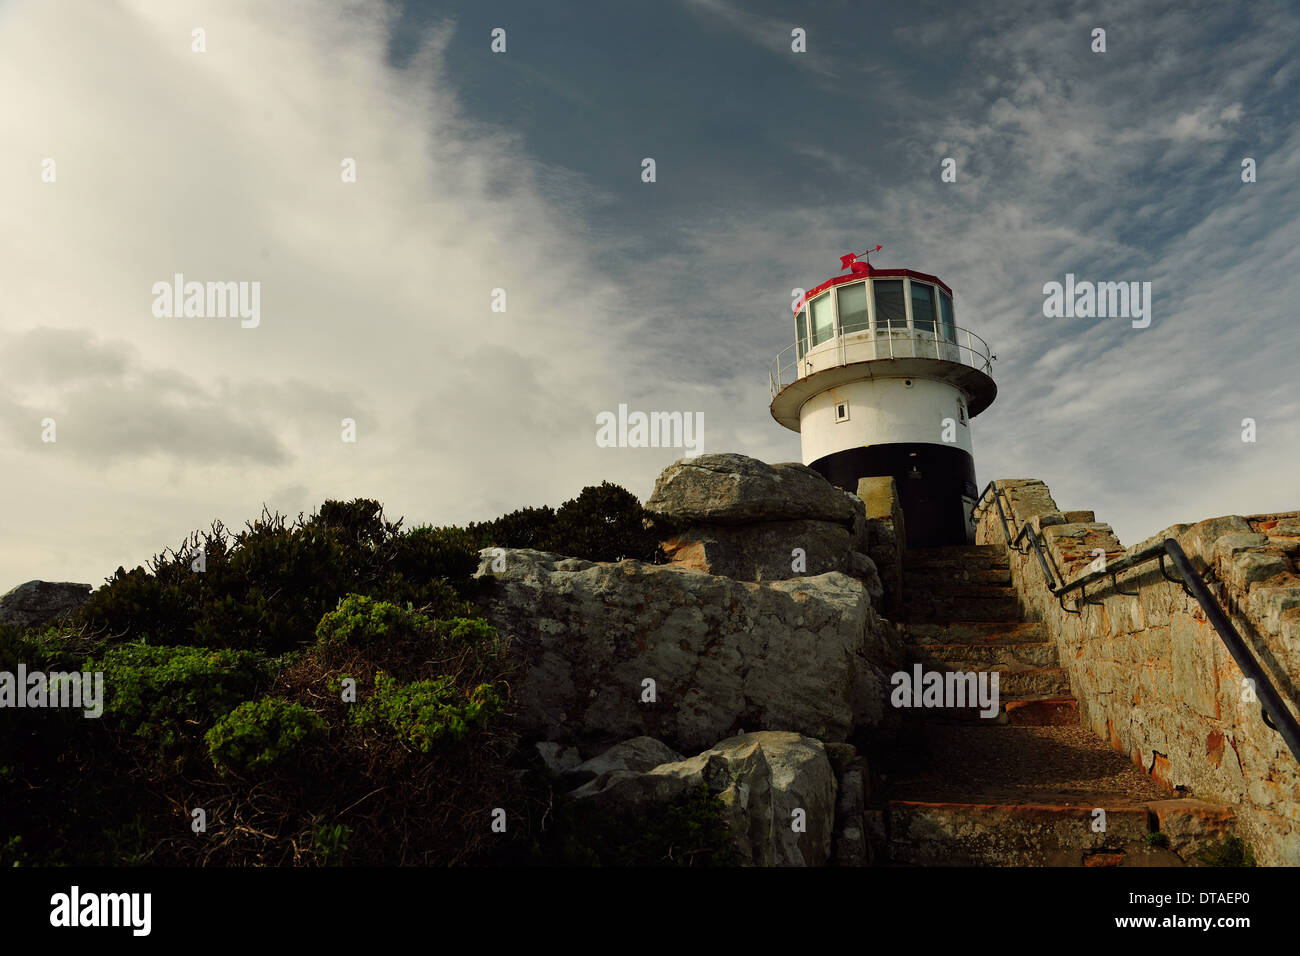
[(891, 309), (801, 332), (945, 316), (823, 326), (923, 307), (842, 412), (853, 307)]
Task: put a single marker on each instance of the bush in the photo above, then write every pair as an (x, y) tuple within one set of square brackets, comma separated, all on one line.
[(163, 694), (359, 620), (260, 733), (687, 831), (424, 713), (604, 523), (267, 587)]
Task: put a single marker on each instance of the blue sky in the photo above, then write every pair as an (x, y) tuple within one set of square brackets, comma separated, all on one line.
[(521, 170)]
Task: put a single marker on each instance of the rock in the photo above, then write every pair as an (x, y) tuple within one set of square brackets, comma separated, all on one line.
[(885, 535), (768, 781), (762, 551), (808, 653), (1198, 540), (557, 757), (864, 569), (1247, 567), (37, 603), (735, 489), (640, 754), (1229, 544)]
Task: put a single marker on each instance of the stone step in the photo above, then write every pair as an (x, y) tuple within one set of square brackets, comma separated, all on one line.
[(1016, 681), (1003, 607), (958, 632), (1046, 711), (954, 589), (1018, 710), (980, 795), (927, 577), (923, 833), (972, 556), (987, 655)]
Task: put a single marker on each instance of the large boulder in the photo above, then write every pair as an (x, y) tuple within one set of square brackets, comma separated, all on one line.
[(37, 603), (768, 551), (612, 651), (735, 489), (778, 790)]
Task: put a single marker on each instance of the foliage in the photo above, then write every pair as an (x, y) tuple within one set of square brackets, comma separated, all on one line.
[(424, 713), (163, 694), (330, 843), (604, 523), (267, 586), (1233, 851), (358, 620), (260, 733), (687, 831)]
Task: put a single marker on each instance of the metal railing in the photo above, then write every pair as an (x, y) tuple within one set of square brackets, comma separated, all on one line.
[(1275, 712), (866, 345)]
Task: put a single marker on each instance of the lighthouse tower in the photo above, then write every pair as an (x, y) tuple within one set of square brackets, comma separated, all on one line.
[(880, 380)]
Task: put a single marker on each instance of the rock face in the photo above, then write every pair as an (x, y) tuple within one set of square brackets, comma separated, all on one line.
[(37, 603), (741, 518), (612, 651), (778, 788), (763, 552), (735, 489)]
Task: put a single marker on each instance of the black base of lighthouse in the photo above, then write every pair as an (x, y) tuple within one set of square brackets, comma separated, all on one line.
[(931, 479)]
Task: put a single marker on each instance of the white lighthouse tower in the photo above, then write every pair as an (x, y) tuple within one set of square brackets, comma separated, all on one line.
[(879, 381)]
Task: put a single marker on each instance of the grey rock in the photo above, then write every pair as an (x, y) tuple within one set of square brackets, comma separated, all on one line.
[(557, 757), (763, 551), (735, 489), (640, 754), (807, 653), (37, 603), (778, 789)]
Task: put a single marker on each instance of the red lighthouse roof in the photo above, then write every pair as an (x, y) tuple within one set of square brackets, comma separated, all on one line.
[(862, 269)]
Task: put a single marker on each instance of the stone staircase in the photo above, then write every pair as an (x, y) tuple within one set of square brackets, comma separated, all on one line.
[(1021, 788)]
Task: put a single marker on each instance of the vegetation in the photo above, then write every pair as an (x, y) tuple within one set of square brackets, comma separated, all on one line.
[(321, 691)]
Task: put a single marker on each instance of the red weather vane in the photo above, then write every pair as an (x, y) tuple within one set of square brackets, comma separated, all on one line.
[(851, 261)]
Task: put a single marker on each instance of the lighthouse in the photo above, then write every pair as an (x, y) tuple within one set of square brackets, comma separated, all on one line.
[(881, 380)]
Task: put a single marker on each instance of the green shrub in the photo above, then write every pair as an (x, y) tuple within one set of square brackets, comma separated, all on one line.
[(164, 693), (259, 734), (426, 712), (330, 843), (267, 586), (604, 523), (687, 831), (359, 620)]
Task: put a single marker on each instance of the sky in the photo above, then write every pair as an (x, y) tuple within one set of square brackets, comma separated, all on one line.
[(133, 149)]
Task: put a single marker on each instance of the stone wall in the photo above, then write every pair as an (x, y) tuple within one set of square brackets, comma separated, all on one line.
[(1150, 673)]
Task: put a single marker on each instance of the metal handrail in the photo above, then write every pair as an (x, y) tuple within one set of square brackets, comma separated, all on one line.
[(864, 345), (1044, 555), (1274, 710)]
